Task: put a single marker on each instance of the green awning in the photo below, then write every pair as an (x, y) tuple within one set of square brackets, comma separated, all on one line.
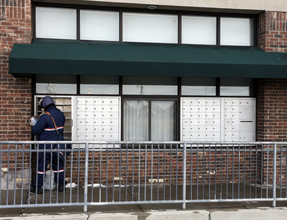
[(137, 59)]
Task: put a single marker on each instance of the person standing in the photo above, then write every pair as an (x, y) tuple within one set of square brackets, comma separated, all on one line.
[(49, 127)]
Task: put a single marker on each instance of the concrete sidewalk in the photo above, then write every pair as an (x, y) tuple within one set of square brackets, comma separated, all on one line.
[(219, 214), (205, 211)]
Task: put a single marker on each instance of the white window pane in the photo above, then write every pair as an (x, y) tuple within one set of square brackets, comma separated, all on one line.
[(152, 28), (199, 90), (234, 91), (198, 86), (53, 88), (99, 25), (136, 120), (198, 30), (150, 86), (149, 90), (235, 87), (236, 31), (162, 120), (99, 85), (58, 23), (99, 89)]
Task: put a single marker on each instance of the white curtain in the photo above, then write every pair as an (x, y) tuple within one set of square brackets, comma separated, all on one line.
[(162, 120), (137, 117), (136, 120)]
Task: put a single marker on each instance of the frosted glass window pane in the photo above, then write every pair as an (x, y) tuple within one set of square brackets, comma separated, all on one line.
[(235, 87), (149, 90), (136, 114), (58, 23), (99, 85), (236, 31), (150, 86), (56, 84), (99, 25), (198, 30), (152, 28), (162, 120), (198, 86), (53, 88)]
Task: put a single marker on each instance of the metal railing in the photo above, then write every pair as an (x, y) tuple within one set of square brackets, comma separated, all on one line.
[(122, 173)]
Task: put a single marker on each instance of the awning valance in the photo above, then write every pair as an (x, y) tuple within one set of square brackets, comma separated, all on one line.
[(135, 59)]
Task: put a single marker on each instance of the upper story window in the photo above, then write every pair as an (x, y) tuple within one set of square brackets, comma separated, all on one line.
[(99, 25), (58, 23), (152, 28), (236, 31), (173, 28), (198, 30)]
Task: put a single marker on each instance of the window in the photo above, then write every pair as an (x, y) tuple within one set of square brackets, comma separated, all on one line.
[(99, 25), (198, 30), (56, 84), (58, 23), (235, 87), (153, 28), (149, 86), (146, 27), (149, 120), (198, 86), (107, 85), (236, 31)]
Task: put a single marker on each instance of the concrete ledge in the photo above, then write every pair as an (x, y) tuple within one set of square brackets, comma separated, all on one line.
[(235, 214), (67, 216), (179, 215), (250, 214), (157, 215), (113, 216)]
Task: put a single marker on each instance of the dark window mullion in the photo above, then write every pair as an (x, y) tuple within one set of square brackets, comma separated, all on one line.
[(217, 30), (120, 26), (78, 84), (217, 83), (78, 24), (149, 120), (179, 29)]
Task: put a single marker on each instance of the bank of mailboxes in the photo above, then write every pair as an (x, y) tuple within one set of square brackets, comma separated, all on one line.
[(218, 119), (98, 119)]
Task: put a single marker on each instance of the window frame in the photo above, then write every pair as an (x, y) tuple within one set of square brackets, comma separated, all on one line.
[(179, 13), (151, 99)]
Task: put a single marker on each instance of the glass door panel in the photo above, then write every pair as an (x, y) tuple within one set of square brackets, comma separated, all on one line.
[(162, 120), (136, 114)]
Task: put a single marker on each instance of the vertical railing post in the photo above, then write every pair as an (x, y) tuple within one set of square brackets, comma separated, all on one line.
[(184, 178), (86, 177), (274, 174)]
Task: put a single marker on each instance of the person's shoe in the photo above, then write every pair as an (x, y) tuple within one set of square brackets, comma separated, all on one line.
[(35, 190)]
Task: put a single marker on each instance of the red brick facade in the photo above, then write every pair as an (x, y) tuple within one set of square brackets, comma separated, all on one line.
[(272, 31), (272, 93), (15, 93), (16, 97)]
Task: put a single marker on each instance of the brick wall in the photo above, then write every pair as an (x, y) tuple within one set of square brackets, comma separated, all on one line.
[(272, 31), (15, 93), (271, 93), (271, 110)]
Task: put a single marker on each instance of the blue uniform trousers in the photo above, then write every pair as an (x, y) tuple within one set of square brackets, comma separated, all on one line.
[(44, 158)]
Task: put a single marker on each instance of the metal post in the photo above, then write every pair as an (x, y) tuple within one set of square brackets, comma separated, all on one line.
[(184, 178), (86, 177), (274, 175)]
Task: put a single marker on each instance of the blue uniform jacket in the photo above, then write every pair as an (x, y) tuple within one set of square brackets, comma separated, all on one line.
[(45, 128)]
